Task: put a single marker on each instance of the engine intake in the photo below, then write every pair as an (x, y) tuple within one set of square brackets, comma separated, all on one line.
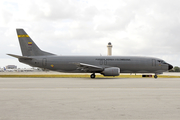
[(112, 71)]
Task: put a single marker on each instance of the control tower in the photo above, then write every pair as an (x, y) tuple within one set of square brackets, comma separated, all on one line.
[(109, 46)]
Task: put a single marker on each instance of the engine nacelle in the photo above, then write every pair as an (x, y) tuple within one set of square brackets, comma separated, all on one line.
[(112, 71)]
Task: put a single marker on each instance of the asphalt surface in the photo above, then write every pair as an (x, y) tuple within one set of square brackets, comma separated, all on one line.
[(85, 98)]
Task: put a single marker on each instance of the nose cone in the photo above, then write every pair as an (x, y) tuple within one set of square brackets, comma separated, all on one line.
[(170, 66)]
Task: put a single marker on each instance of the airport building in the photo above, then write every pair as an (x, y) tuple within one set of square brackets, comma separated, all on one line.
[(11, 67)]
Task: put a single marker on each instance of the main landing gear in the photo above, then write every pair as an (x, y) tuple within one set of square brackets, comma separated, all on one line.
[(93, 76)]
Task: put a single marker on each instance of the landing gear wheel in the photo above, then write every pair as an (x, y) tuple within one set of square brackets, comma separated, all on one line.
[(93, 76), (155, 76)]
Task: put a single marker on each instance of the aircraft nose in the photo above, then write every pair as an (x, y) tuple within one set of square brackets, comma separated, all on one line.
[(170, 66)]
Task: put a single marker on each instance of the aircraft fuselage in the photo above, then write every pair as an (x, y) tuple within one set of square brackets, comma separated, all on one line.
[(127, 64), (106, 65)]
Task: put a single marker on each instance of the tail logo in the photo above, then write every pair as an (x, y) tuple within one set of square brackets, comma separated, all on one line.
[(23, 35)]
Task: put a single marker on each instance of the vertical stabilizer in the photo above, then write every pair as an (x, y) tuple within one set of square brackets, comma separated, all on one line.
[(28, 47)]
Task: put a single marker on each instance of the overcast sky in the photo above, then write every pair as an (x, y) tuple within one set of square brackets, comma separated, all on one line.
[(84, 27)]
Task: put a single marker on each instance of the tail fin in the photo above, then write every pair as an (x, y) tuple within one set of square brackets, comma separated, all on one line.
[(28, 47)]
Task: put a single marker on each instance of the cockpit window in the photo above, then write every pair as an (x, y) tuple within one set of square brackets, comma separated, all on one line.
[(162, 61)]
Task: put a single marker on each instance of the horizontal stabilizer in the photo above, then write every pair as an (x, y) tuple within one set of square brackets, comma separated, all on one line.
[(17, 56)]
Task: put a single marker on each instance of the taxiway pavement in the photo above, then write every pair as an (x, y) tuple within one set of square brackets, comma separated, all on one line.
[(85, 98)]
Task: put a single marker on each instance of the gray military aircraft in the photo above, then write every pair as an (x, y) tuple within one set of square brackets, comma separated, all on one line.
[(105, 65)]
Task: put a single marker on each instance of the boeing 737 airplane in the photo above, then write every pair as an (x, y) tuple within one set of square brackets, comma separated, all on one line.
[(105, 65)]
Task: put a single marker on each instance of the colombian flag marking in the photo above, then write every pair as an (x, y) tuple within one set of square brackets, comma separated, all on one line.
[(29, 43), (52, 66)]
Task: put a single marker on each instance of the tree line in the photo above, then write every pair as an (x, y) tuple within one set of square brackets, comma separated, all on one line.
[(175, 69)]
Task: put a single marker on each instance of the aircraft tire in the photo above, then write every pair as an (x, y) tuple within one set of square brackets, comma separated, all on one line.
[(155, 76), (93, 76)]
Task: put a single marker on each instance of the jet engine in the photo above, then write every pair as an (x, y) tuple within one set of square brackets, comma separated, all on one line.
[(112, 71)]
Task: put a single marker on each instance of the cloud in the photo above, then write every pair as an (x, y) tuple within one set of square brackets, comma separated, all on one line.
[(84, 27)]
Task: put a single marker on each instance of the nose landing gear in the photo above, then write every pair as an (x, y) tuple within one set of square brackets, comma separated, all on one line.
[(93, 76), (155, 76)]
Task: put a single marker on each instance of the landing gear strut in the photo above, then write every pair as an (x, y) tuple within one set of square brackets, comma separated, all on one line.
[(155, 76), (93, 76)]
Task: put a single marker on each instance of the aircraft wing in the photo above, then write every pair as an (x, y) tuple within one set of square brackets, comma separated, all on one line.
[(88, 67)]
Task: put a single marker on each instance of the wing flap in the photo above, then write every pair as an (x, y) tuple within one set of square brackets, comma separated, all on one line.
[(88, 67)]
